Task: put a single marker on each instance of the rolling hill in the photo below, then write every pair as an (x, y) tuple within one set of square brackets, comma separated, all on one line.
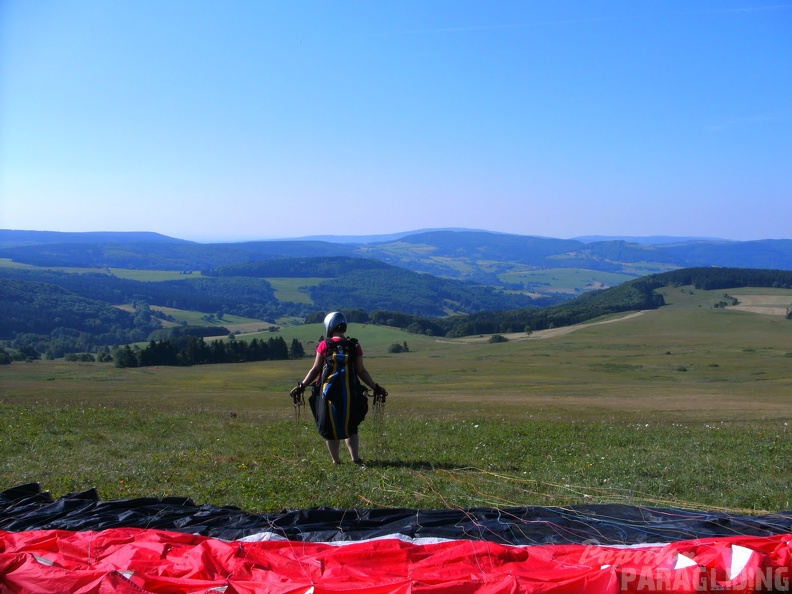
[(443, 282), (477, 256)]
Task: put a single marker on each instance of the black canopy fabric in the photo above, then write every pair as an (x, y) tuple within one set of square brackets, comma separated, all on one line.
[(27, 507)]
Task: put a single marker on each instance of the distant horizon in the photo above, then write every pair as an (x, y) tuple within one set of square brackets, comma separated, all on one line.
[(654, 239)]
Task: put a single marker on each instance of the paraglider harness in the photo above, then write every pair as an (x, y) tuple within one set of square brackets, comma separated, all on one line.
[(338, 401)]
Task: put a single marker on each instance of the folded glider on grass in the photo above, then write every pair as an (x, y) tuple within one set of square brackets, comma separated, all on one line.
[(81, 544)]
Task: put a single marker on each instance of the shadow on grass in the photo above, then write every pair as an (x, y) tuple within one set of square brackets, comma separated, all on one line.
[(410, 464)]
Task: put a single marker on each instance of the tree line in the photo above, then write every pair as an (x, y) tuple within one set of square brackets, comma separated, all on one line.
[(713, 278), (317, 267), (195, 351)]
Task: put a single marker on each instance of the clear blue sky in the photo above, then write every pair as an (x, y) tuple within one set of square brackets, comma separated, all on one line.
[(239, 120)]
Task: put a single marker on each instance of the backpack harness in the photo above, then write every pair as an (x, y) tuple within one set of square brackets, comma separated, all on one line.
[(337, 401)]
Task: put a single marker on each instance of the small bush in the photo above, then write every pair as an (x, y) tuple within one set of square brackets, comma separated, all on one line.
[(80, 358)]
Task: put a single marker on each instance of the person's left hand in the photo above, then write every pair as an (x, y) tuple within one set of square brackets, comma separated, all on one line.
[(297, 392), (380, 393)]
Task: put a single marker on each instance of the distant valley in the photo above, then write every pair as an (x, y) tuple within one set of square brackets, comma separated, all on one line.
[(539, 265), (81, 291)]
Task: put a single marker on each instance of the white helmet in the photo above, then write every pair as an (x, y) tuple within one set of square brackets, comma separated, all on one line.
[(333, 320)]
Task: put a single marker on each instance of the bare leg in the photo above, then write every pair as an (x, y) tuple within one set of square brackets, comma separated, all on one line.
[(334, 445), (352, 444)]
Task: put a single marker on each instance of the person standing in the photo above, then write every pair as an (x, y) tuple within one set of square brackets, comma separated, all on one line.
[(337, 400)]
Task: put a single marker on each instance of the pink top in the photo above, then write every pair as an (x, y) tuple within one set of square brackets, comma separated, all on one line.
[(322, 348)]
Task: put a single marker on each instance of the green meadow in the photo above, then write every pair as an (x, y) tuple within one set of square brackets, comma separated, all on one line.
[(565, 280), (685, 406), (153, 275), (288, 289), (195, 318)]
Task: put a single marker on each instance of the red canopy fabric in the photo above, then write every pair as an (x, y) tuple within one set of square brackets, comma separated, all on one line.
[(128, 560)]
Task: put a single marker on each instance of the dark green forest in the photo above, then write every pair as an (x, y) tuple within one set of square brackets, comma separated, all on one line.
[(54, 321), (709, 279), (196, 351)]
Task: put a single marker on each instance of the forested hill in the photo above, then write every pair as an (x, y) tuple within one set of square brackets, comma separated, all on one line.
[(71, 322), (11, 238), (710, 279), (56, 312), (633, 295), (478, 256)]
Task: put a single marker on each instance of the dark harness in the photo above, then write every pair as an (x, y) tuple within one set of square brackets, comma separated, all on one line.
[(338, 402)]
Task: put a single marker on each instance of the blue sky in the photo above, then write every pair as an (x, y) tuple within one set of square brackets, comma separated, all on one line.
[(242, 120)]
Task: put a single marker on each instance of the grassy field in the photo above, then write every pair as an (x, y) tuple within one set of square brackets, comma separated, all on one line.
[(288, 289), (686, 406), (153, 275), (565, 280), (194, 318)]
